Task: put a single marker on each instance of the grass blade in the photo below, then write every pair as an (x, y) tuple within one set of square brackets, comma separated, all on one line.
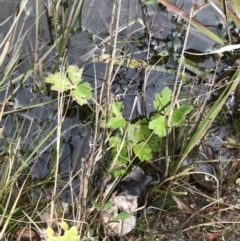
[(230, 14), (236, 6), (210, 117)]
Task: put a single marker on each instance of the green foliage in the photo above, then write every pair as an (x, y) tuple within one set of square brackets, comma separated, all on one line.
[(141, 139), (82, 93), (100, 207), (179, 113), (115, 143), (121, 216), (149, 2), (144, 137), (69, 234), (71, 81), (143, 151), (158, 123), (162, 100), (115, 119)]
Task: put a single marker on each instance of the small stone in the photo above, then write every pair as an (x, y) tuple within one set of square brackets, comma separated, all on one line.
[(193, 206), (238, 181)]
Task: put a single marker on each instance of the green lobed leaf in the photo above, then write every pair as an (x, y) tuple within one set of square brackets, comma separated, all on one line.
[(114, 141), (50, 232), (118, 172), (82, 93), (178, 116), (143, 151), (59, 82), (115, 122), (71, 234), (161, 100), (64, 226), (154, 143), (116, 109), (158, 123), (142, 131), (122, 156), (75, 75), (139, 131)]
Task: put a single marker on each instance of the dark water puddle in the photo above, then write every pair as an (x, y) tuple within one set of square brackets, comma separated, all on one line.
[(33, 126), (163, 38)]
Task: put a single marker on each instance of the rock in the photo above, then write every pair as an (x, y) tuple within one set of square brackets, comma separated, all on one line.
[(127, 196)]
